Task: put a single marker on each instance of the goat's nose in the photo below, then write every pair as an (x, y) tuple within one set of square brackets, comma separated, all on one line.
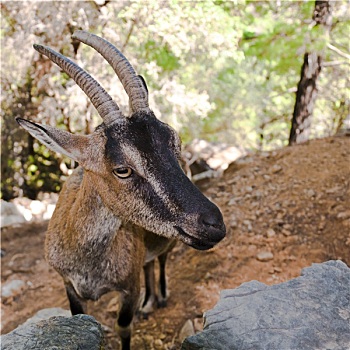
[(214, 223)]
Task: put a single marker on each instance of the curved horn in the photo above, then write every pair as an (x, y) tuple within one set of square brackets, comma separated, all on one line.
[(132, 83), (102, 101)]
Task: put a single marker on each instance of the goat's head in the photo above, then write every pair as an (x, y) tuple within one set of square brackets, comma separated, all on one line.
[(133, 162)]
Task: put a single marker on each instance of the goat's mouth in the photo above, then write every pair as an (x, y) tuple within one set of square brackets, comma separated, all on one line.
[(195, 242)]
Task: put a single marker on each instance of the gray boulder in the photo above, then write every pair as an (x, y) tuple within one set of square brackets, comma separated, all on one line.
[(10, 215), (56, 333), (308, 312)]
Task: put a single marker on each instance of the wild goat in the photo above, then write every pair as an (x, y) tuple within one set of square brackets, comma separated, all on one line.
[(127, 201)]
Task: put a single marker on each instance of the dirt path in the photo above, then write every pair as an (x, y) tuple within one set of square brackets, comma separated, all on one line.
[(283, 210)]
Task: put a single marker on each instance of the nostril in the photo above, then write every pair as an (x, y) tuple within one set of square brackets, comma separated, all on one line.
[(212, 219)]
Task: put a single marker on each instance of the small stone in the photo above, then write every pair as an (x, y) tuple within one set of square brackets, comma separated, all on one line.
[(270, 233), (187, 330), (113, 305), (321, 225), (232, 201), (7, 273), (207, 276), (344, 215), (333, 190), (233, 223), (258, 194), (37, 207), (310, 193), (276, 169), (148, 339), (198, 324), (158, 344), (286, 232), (264, 256), (12, 288), (248, 224)]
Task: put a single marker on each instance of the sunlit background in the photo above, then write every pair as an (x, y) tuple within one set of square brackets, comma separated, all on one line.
[(220, 71)]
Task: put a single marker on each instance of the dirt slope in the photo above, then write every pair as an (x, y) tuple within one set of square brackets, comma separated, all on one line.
[(284, 210)]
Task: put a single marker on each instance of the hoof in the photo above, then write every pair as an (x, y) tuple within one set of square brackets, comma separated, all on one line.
[(142, 315), (162, 303)]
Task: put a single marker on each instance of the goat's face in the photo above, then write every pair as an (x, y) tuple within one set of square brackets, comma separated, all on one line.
[(132, 162), (133, 165), (141, 181)]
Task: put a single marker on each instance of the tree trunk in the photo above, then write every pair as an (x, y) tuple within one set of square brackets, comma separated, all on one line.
[(307, 88)]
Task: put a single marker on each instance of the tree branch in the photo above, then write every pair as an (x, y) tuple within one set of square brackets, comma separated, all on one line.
[(339, 52), (334, 63)]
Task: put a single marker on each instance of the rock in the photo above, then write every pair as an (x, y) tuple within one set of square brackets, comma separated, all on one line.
[(276, 169), (344, 215), (286, 232), (37, 207), (264, 256), (198, 324), (308, 312), (158, 344), (248, 224), (232, 201), (10, 215), (270, 233), (186, 331), (45, 314), (310, 193), (64, 333), (49, 211), (12, 288)]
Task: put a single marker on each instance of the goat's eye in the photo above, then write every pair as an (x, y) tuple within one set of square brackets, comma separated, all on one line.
[(122, 173)]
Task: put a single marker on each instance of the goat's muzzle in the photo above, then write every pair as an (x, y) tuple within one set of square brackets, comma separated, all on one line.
[(211, 230)]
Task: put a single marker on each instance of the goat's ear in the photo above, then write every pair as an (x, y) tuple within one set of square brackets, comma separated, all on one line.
[(143, 82), (57, 140)]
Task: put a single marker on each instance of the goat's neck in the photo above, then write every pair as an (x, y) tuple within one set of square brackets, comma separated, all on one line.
[(90, 220)]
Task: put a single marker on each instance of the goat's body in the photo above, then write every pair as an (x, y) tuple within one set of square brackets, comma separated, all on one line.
[(97, 253), (129, 200)]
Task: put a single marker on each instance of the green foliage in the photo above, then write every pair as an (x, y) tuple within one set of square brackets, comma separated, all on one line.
[(221, 70), (162, 55)]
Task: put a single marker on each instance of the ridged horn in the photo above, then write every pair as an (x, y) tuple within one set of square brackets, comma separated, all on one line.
[(102, 101), (132, 83)]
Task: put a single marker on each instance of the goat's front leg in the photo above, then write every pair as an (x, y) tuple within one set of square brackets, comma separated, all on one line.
[(76, 303), (129, 303)]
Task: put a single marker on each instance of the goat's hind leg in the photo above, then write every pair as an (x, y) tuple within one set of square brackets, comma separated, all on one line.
[(150, 290), (151, 297), (76, 303), (163, 294)]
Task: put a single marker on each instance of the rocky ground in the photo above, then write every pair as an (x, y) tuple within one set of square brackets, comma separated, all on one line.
[(284, 210)]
